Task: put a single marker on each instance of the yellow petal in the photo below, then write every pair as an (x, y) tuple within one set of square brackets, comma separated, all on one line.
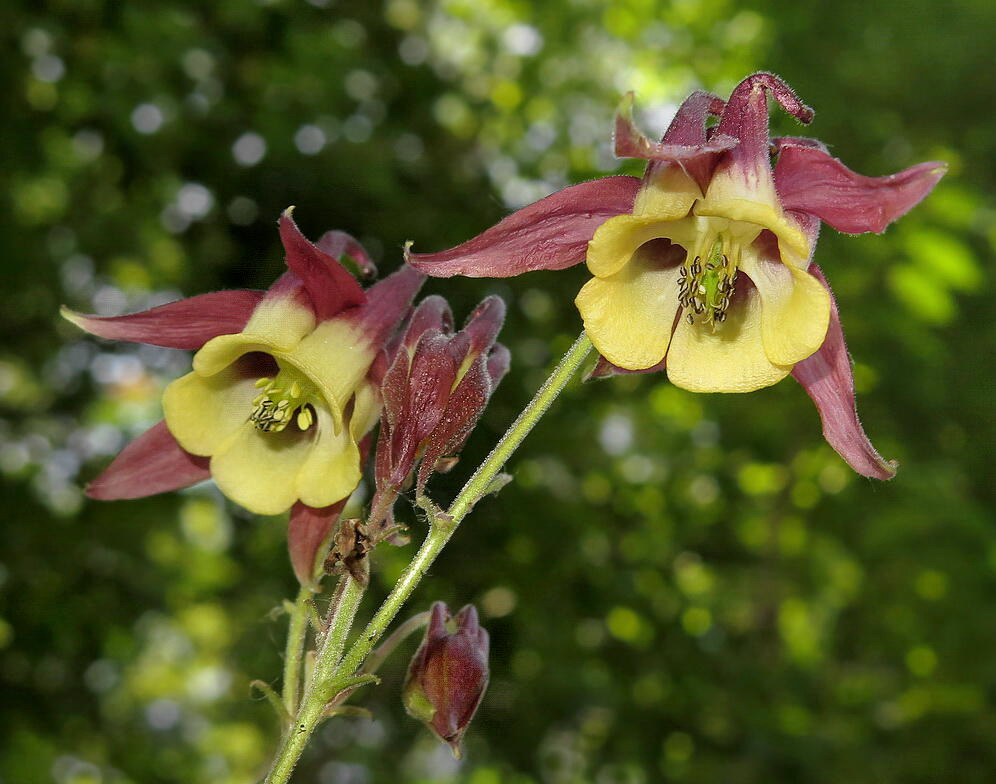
[(335, 357), (281, 321), (276, 327), (667, 195), (332, 469), (745, 195), (259, 470), (629, 315), (616, 240), (202, 412), (729, 359), (366, 410), (795, 309)]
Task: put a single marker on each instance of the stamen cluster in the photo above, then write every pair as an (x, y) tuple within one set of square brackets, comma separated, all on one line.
[(279, 404), (707, 290)]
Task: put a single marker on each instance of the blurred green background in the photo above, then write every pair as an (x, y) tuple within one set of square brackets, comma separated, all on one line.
[(679, 587)]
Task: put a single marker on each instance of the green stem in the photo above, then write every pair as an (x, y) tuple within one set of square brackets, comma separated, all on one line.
[(330, 672), (297, 631), (323, 686), (442, 526)]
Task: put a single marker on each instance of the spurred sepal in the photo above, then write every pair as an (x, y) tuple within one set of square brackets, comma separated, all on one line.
[(187, 323), (449, 674), (811, 180), (827, 378), (685, 142), (152, 463), (550, 234)]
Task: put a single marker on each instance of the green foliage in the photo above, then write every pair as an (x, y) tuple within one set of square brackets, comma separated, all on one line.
[(678, 587)]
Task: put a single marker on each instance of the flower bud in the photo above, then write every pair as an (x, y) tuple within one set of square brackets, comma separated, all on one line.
[(448, 675), (434, 391)]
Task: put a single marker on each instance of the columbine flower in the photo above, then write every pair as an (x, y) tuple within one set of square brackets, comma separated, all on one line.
[(448, 675), (434, 393), (284, 387), (702, 267)]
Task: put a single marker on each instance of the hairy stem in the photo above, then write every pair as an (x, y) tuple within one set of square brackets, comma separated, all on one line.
[(333, 674), (297, 632), (323, 686)]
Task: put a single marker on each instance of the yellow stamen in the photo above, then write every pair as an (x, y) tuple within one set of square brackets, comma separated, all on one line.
[(284, 399)]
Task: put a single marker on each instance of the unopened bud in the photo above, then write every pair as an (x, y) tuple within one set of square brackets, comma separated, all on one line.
[(448, 675)]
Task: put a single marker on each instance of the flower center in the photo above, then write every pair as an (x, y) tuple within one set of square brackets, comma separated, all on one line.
[(284, 399), (705, 287)]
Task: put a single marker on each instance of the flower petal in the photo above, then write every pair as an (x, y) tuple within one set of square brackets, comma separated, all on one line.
[(330, 287), (668, 194), (259, 470), (463, 410), (826, 376), (731, 358), (629, 315), (186, 323), (795, 309), (335, 357), (551, 234), (152, 463), (307, 529), (332, 469), (684, 143), (205, 411), (432, 313), (618, 240), (811, 180)]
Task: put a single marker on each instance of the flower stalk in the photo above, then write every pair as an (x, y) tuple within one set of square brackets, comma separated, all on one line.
[(333, 671)]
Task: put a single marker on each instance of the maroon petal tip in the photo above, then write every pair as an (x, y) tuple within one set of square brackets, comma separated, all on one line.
[(329, 285)]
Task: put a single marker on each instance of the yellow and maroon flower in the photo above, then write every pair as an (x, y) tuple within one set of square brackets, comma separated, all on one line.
[(703, 267), (284, 388)]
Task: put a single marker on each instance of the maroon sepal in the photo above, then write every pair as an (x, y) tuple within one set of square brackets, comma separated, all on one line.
[(552, 233), (448, 674), (827, 378), (330, 287), (307, 530), (187, 323), (809, 179), (152, 463)]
